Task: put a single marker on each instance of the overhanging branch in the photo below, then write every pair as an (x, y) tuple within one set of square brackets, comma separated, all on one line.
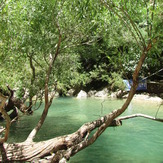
[(140, 115)]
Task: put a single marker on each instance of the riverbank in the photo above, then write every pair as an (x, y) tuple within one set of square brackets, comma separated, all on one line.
[(148, 98), (103, 94)]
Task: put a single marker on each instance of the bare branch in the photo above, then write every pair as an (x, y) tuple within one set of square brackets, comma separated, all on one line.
[(140, 115)]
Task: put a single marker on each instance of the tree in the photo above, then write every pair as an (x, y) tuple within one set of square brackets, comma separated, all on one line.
[(35, 44), (65, 146)]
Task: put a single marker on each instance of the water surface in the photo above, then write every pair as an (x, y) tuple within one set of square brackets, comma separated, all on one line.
[(138, 140)]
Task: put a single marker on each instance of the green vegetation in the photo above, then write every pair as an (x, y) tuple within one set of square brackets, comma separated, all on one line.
[(95, 43), (56, 45)]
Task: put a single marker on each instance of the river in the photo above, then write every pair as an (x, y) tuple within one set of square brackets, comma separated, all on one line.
[(138, 140)]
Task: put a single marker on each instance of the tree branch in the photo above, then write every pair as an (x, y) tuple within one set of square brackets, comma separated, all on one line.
[(152, 16), (47, 101), (63, 147), (140, 115), (110, 117)]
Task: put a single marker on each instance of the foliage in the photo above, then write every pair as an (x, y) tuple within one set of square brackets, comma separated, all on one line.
[(116, 82), (96, 42), (55, 45)]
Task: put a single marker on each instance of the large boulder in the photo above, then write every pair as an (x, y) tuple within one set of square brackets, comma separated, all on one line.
[(102, 94), (82, 94)]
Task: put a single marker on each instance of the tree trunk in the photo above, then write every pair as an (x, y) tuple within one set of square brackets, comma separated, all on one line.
[(63, 146), (14, 104), (28, 151)]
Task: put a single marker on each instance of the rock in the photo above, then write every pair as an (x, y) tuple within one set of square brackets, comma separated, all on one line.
[(92, 93), (113, 95), (70, 93), (82, 94), (63, 160), (148, 98), (102, 94), (1, 129), (125, 96), (55, 94), (120, 93)]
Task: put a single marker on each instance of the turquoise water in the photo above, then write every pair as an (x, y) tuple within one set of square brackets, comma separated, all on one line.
[(138, 140)]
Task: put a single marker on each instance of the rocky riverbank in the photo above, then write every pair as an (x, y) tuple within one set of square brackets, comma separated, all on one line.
[(120, 94), (148, 98)]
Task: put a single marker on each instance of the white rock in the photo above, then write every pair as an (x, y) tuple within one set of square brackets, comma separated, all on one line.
[(70, 92), (113, 95), (102, 94), (82, 94), (63, 160)]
